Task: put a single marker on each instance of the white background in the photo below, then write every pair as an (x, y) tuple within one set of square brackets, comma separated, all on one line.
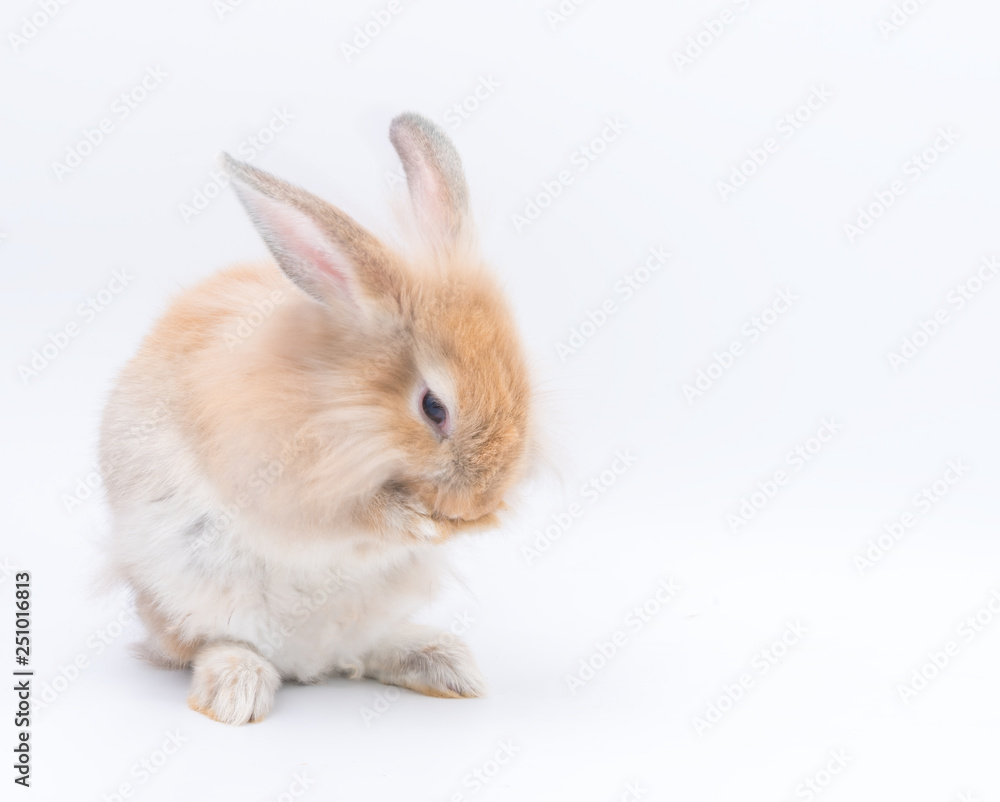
[(656, 185)]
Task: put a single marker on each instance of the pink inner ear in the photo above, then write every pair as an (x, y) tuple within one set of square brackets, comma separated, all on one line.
[(430, 198), (311, 259)]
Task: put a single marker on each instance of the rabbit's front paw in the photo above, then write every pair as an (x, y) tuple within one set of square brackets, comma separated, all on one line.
[(439, 664), (232, 684), (394, 512), (423, 527), (416, 520)]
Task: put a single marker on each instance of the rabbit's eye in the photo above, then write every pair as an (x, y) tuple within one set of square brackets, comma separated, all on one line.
[(433, 408)]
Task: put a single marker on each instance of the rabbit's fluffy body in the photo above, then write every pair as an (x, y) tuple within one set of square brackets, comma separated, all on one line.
[(241, 560), (279, 499)]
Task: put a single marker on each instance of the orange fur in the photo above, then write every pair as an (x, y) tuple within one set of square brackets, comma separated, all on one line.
[(268, 446), (271, 397)]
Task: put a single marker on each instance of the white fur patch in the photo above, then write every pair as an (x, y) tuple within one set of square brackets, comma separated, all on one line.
[(233, 684)]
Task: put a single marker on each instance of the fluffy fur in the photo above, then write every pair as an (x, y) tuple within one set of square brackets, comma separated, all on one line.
[(278, 496)]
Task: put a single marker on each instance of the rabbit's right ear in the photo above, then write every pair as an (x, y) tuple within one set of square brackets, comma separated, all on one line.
[(320, 248), (434, 176)]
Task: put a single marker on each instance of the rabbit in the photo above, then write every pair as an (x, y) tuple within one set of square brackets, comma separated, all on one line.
[(294, 441)]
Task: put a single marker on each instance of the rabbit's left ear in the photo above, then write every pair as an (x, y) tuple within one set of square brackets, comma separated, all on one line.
[(325, 252), (434, 176)]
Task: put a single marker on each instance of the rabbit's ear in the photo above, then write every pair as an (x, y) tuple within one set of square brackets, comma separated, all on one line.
[(434, 175), (320, 248)]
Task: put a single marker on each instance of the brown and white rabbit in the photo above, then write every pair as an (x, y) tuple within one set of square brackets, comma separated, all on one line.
[(289, 447)]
